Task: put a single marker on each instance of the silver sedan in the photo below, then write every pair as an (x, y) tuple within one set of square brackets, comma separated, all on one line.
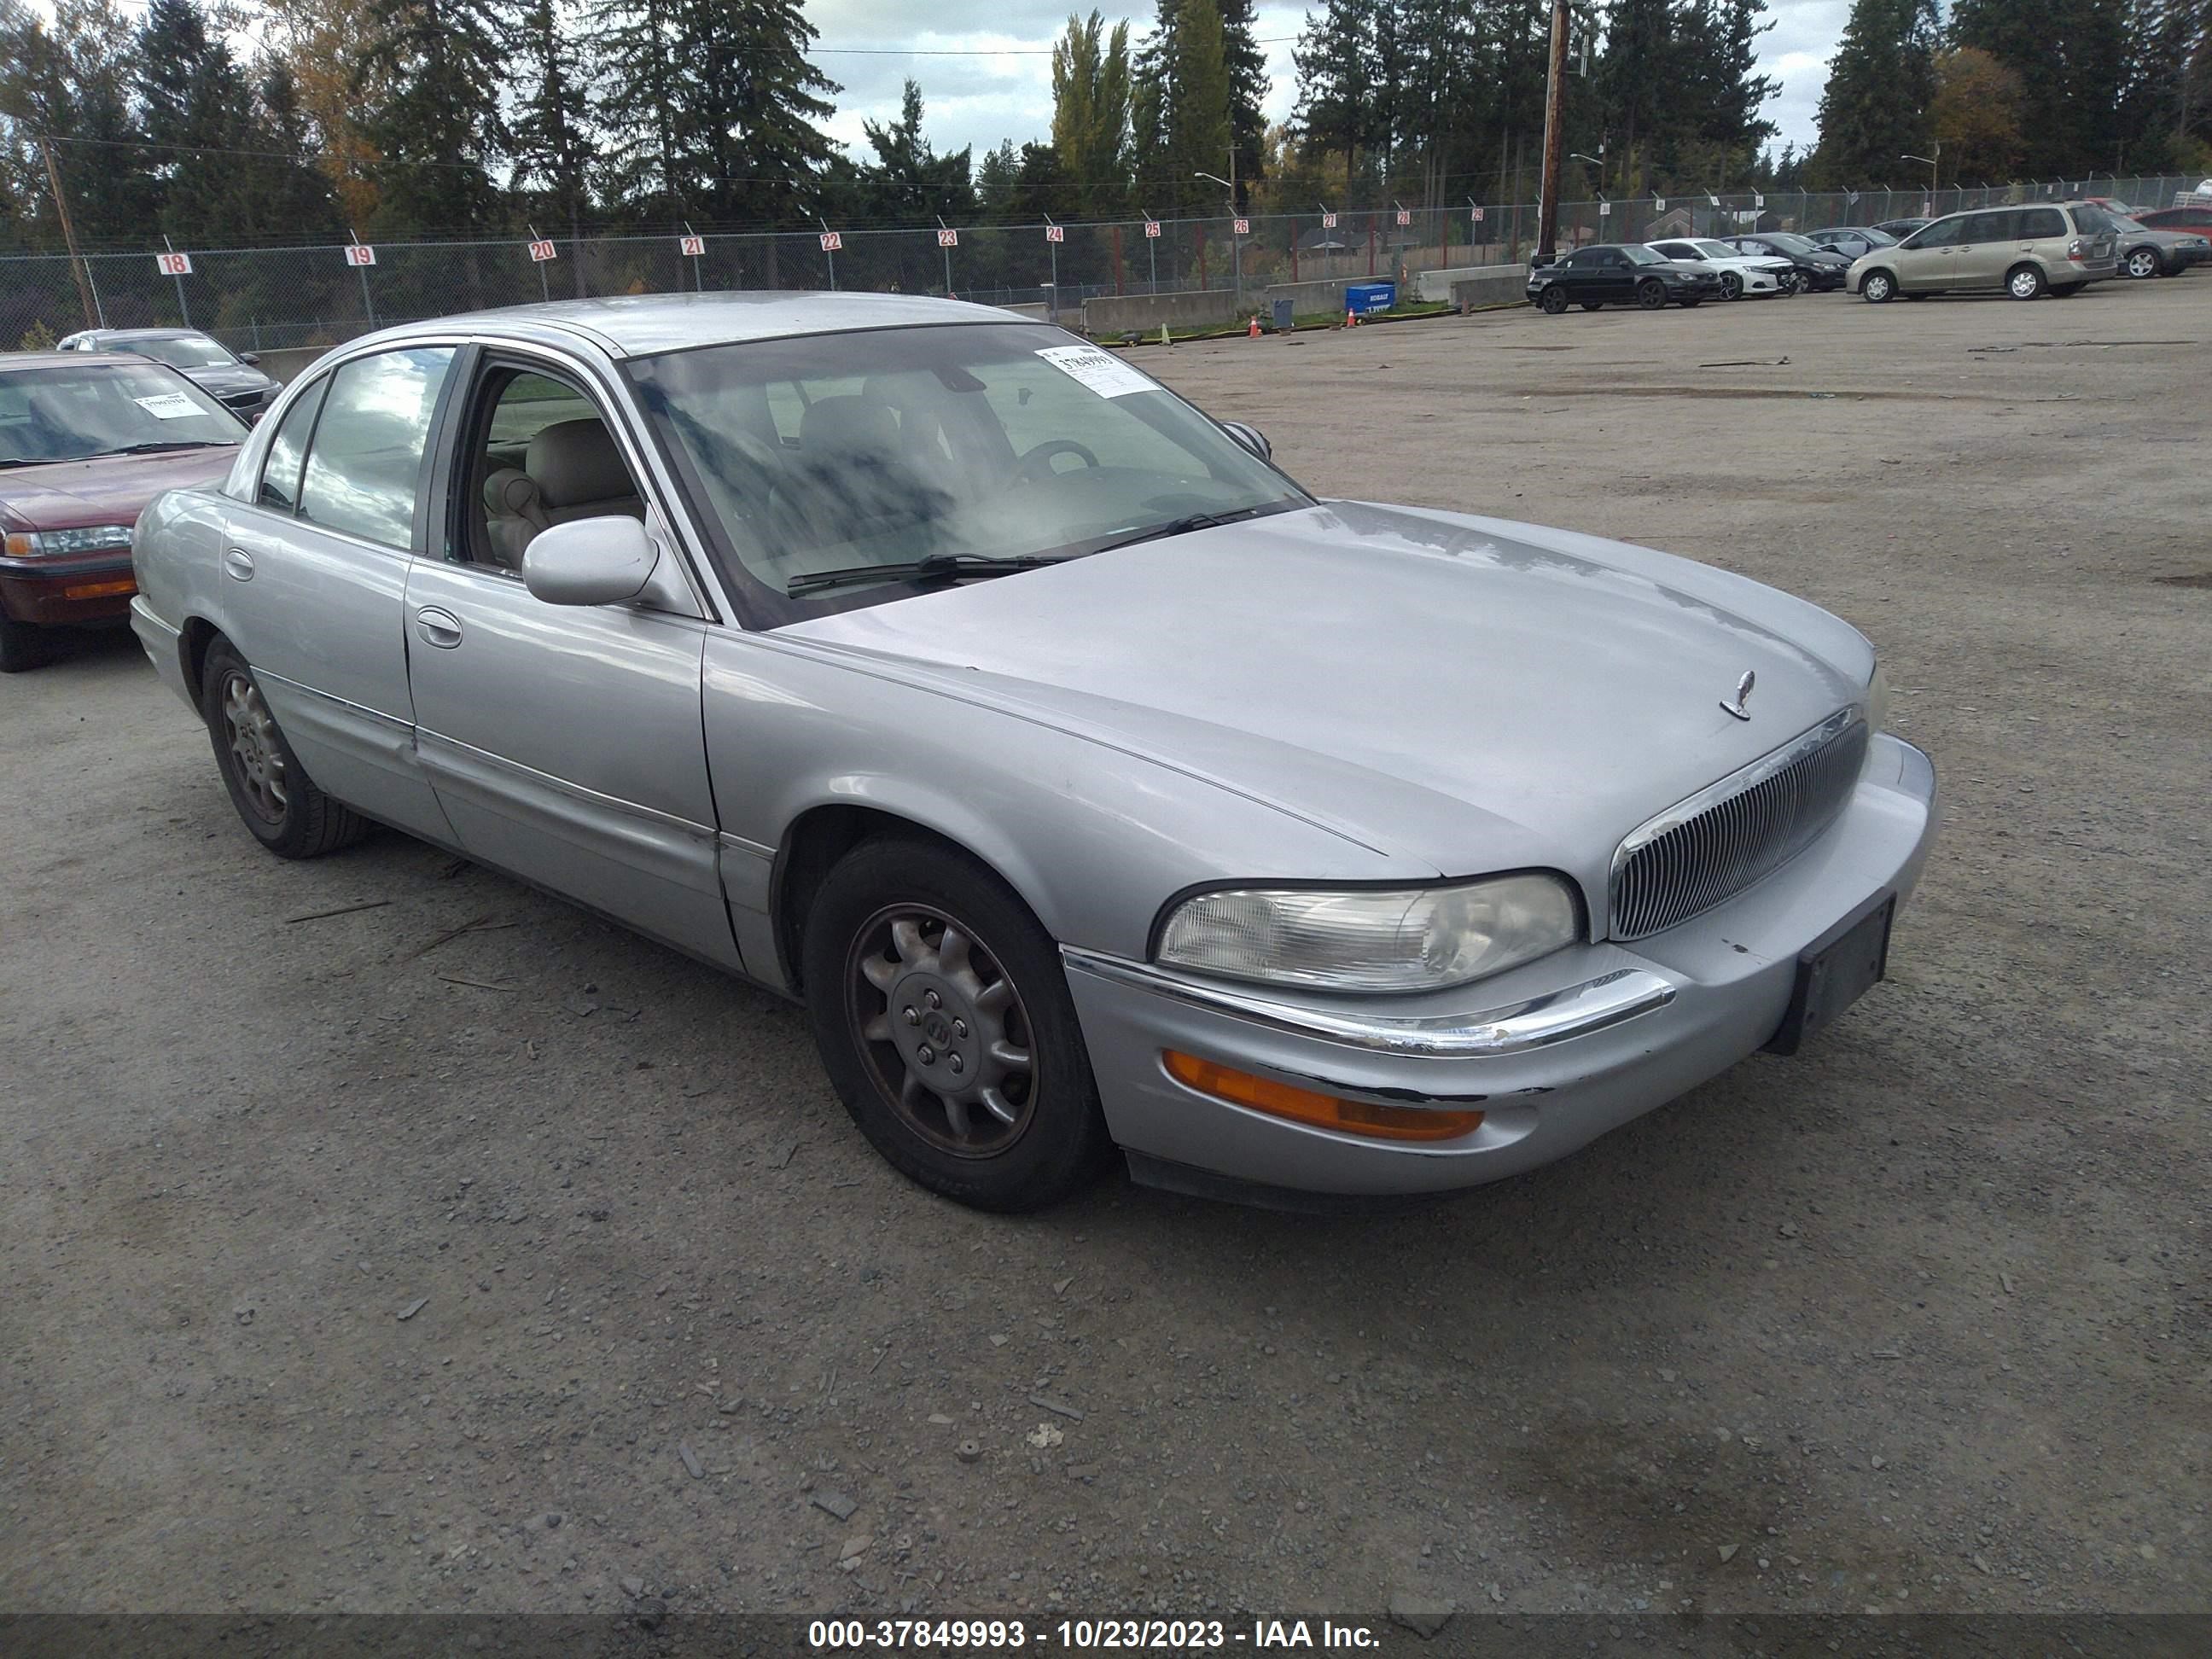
[(1093, 784)]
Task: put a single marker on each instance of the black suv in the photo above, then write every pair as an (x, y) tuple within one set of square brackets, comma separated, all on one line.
[(1611, 273)]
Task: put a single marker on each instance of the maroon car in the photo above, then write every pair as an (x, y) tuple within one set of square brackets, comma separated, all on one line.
[(85, 443)]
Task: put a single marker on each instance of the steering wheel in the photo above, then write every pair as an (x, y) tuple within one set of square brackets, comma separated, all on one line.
[(1037, 462)]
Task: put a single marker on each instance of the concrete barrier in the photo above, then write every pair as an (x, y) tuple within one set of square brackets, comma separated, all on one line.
[(283, 364), (1041, 313), (1143, 314), (1500, 285), (1436, 286), (1307, 298)]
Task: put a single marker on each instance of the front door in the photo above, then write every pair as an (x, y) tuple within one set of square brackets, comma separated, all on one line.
[(1986, 249), (1928, 259), (315, 578), (564, 742)]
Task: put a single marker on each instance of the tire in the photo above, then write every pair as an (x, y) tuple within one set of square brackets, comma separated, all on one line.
[(1651, 295), (883, 992), (1878, 288), (1593, 305), (22, 646), (1553, 300), (2142, 264), (1731, 285), (274, 795), (2026, 282)]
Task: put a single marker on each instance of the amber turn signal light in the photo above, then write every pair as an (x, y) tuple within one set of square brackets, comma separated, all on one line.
[(100, 590), (1353, 1117)]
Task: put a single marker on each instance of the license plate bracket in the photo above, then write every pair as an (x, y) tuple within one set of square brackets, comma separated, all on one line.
[(1834, 971)]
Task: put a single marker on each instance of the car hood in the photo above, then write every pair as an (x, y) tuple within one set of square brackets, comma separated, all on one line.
[(241, 377), (109, 489), (2168, 239), (1464, 694)]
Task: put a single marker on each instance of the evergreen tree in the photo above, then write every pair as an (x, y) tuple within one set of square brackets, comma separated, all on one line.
[(1880, 82), (908, 182), (1090, 95), (441, 68), (1249, 82), (2071, 59), (1184, 124), (550, 143), (201, 125)]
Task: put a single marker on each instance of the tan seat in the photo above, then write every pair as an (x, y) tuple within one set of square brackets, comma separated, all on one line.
[(574, 471)]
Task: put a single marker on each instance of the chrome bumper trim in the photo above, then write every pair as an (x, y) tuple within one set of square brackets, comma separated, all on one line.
[(1538, 1023)]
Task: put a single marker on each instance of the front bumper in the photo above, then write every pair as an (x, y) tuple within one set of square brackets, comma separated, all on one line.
[(60, 591), (1561, 1050)]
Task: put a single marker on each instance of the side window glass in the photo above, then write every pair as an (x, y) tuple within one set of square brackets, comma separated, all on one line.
[(279, 474), (2036, 223), (366, 461)]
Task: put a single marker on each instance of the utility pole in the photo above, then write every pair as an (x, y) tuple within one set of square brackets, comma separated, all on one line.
[(1555, 135), (77, 268)]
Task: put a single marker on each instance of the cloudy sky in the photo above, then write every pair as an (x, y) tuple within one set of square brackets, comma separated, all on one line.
[(981, 100)]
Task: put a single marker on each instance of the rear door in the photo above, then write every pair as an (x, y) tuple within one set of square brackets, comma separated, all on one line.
[(564, 742), (314, 578)]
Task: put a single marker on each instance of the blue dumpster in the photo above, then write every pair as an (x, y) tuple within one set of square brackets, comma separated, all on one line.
[(1365, 298)]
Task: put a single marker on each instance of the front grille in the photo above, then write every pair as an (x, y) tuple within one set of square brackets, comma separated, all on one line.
[(242, 399), (1722, 839)]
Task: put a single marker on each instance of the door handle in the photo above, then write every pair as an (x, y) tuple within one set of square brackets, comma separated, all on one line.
[(237, 562), (440, 628)]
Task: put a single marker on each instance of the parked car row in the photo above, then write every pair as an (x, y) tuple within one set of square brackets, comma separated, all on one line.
[(2053, 247), (208, 364)]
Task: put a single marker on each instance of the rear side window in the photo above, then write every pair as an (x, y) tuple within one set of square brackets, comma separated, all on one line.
[(287, 450), (1990, 227), (2038, 223), (366, 465)]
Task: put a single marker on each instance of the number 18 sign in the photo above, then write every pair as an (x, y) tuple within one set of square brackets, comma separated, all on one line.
[(174, 265)]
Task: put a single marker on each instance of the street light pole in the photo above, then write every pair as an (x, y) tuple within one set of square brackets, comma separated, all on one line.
[(1931, 161), (1555, 137), (1236, 243)]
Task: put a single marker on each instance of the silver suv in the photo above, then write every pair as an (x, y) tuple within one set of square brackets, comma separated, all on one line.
[(2055, 247)]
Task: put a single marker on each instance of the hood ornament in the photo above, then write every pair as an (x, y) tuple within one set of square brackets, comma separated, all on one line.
[(1736, 707)]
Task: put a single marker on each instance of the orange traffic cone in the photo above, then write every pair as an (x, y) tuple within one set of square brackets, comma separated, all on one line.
[(1350, 318), (1253, 333)]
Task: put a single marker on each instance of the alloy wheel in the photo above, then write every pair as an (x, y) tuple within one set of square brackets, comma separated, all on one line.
[(249, 732), (2142, 263), (942, 1030)]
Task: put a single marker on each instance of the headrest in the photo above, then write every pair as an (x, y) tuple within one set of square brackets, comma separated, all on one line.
[(849, 425), (577, 461), (510, 494)]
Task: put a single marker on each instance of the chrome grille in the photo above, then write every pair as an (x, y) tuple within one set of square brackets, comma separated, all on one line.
[(1724, 838)]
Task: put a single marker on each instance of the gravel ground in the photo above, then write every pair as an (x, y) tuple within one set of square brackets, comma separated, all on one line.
[(538, 1269)]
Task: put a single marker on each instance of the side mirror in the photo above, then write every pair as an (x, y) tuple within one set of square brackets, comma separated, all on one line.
[(590, 562), (1251, 437), (251, 359)]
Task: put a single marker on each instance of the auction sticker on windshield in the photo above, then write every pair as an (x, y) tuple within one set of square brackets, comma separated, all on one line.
[(168, 406), (1104, 372)]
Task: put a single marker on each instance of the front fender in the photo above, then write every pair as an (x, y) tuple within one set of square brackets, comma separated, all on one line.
[(1095, 838)]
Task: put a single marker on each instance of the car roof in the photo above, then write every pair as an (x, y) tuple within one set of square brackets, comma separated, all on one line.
[(12, 361), (640, 324), (144, 333)]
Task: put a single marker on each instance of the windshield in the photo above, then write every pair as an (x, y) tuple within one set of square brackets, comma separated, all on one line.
[(1716, 250), (843, 452), (181, 351), (1638, 255), (1789, 242), (76, 412)]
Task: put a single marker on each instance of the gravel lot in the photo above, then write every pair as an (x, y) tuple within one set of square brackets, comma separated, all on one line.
[(1916, 1321)]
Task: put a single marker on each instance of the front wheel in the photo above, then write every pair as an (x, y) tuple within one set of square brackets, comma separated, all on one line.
[(1879, 288), (2141, 263), (1731, 286), (2025, 283), (1651, 295), (944, 1018), (272, 791), (1553, 300), (22, 645)]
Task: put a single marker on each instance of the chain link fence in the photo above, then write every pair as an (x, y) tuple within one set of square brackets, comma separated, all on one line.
[(272, 299)]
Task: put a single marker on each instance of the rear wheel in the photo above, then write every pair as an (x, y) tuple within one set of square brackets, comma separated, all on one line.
[(1878, 288), (2024, 282), (1553, 300), (272, 791), (2141, 263), (1651, 293), (22, 645), (944, 1018)]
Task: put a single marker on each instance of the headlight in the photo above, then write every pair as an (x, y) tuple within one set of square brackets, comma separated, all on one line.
[(50, 543), (1877, 701), (1418, 938)]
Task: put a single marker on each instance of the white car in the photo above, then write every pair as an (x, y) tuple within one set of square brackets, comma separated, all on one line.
[(1761, 276)]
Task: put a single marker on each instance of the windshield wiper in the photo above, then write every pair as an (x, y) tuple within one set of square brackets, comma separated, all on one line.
[(1180, 527), (155, 445), (937, 565)]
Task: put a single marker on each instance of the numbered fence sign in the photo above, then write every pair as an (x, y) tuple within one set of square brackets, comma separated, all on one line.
[(694, 247), (832, 242), (1478, 215), (1153, 230), (541, 252), (1055, 233), (1405, 216), (1329, 221), (1242, 227), (948, 239), (360, 253), (174, 265), (1605, 209)]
